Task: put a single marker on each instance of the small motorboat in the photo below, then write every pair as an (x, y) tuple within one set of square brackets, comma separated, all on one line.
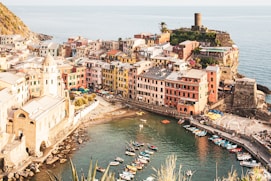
[(129, 153), (152, 147), (165, 121), (114, 163), (149, 152), (132, 168), (119, 159), (143, 120), (140, 113), (243, 156), (235, 150), (250, 164), (100, 169)]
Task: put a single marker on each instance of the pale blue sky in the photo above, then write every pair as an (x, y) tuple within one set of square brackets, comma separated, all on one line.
[(138, 2)]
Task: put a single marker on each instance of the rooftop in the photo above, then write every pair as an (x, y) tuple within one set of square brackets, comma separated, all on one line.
[(156, 73)]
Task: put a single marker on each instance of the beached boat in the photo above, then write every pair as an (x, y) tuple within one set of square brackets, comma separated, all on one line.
[(152, 147), (250, 164), (130, 149), (243, 156), (165, 121), (141, 160), (128, 173), (114, 163)]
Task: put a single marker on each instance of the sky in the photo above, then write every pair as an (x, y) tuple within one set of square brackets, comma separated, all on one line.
[(140, 2)]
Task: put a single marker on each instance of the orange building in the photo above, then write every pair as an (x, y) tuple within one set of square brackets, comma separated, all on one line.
[(213, 76), (187, 91)]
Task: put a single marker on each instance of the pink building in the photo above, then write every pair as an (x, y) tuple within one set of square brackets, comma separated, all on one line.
[(94, 74)]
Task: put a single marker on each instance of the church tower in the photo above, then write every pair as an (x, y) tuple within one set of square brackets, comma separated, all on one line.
[(50, 76)]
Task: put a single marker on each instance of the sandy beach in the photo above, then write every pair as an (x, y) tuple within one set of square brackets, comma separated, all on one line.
[(106, 112)]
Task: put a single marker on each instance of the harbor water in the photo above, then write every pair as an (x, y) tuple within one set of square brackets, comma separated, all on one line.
[(109, 140)]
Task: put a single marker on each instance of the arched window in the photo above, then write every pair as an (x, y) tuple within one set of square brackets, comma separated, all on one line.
[(22, 115)]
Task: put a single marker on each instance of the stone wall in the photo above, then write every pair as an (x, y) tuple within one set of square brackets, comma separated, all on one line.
[(245, 94)]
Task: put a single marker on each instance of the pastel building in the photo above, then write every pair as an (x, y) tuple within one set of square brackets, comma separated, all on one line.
[(136, 69), (94, 74), (151, 86), (187, 91), (185, 49), (49, 48)]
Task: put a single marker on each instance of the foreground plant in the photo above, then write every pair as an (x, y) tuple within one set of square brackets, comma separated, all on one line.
[(168, 172), (90, 177)]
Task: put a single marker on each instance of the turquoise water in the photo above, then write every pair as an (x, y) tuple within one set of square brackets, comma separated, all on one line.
[(109, 140)]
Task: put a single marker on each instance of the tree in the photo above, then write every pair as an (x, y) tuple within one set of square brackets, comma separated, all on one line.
[(163, 27)]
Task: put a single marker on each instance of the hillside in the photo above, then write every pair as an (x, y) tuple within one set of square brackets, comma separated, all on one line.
[(11, 24)]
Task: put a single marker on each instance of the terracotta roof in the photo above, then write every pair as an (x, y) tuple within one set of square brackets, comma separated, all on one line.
[(112, 52)]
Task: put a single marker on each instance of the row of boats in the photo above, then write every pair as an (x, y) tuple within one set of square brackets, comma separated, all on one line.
[(245, 158), (142, 156), (195, 130)]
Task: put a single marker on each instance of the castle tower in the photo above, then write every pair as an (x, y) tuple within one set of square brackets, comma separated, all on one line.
[(197, 20)]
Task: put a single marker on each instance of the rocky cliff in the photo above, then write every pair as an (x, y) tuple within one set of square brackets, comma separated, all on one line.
[(11, 24)]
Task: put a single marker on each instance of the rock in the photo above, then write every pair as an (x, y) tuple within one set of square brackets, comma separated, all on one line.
[(31, 174), (63, 160), (80, 141), (10, 175)]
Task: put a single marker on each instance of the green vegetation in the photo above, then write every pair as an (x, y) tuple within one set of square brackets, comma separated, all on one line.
[(208, 61), (179, 35)]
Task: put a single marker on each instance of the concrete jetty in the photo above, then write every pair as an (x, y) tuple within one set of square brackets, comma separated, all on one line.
[(252, 146)]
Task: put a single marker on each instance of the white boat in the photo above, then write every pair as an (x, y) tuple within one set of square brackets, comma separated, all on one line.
[(144, 158), (143, 120), (128, 173), (243, 156), (119, 159), (141, 125), (125, 177), (141, 160), (150, 178), (250, 164), (114, 163), (149, 152), (130, 153)]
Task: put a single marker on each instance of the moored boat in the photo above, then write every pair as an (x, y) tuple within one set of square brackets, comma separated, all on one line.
[(250, 164), (165, 121), (129, 153), (114, 163), (100, 169), (132, 168), (152, 147), (181, 121), (119, 159), (235, 150), (243, 156), (149, 152)]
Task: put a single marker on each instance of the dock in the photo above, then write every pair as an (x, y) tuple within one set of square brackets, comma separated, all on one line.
[(256, 149)]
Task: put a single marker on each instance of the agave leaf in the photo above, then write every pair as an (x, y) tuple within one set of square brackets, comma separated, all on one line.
[(105, 173), (74, 172), (94, 171), (52, 176), (89, 171)]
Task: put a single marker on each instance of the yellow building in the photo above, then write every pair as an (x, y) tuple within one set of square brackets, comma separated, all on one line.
[(109, 76), (123, 79)]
